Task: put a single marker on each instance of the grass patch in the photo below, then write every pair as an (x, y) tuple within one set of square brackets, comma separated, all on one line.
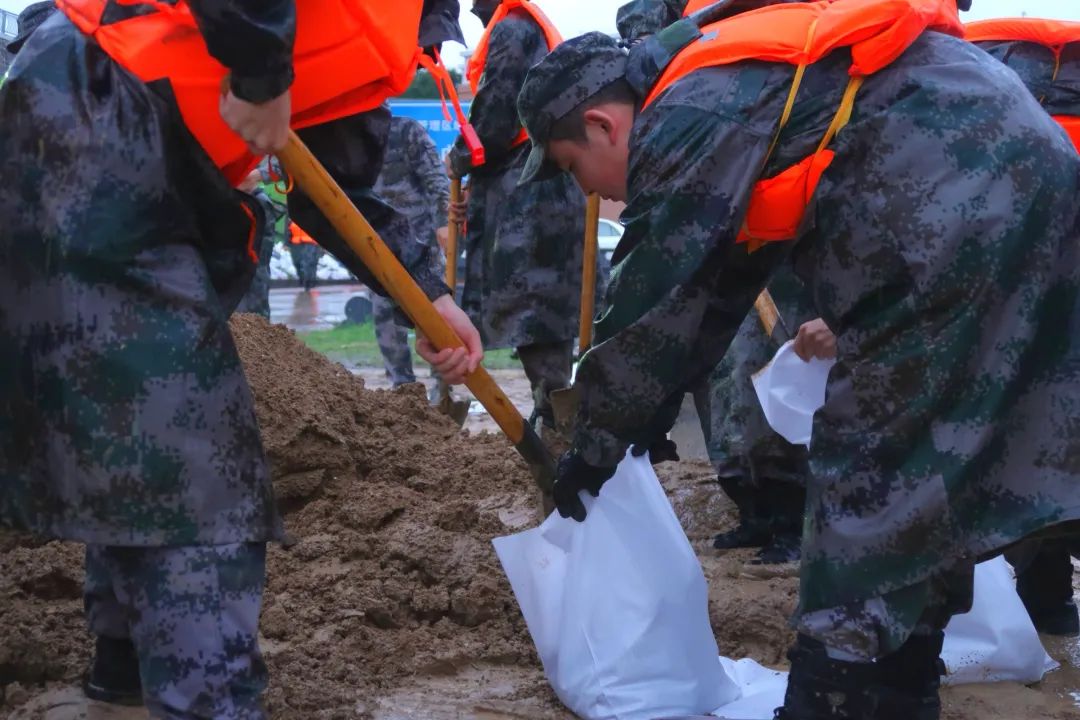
[(356, 345)]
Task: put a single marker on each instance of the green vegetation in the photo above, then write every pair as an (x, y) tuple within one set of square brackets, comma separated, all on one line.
[(356, 345)]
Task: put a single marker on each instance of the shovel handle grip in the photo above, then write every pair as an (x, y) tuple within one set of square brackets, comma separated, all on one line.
[(452, 238), (588, 273), (328, 196), (770, 318)]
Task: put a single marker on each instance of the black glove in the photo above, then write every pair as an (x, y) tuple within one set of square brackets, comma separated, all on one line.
[(659, 451), (572, 476)]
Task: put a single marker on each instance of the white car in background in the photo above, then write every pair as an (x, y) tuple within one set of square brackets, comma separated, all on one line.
[(608, 237)]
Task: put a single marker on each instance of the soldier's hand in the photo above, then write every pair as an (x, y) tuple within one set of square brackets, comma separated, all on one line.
[(572, 476), (264, 127), (459, 211), (442, 236), (815, 340), (660, 450), (453, 364)]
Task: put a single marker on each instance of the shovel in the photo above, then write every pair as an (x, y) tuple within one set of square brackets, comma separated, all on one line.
[(456, 410), (310, 175), (564, 402), (770, 318)]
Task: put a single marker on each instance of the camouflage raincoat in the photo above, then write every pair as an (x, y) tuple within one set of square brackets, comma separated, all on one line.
[(941, 247), (524, 244)]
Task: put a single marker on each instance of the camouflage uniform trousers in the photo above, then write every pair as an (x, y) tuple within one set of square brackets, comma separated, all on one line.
[(548, 367), (192, 613), (762, 473), (305, 257), (393, 342)]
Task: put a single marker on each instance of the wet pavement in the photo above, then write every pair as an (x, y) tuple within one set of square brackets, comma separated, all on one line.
[(318, 309)]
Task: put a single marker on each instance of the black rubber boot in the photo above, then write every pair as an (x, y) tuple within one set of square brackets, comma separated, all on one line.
[(820, 688), (752, 530), (780, 550), (781, 504), (911, 680), (1045, 586), (114, 675)]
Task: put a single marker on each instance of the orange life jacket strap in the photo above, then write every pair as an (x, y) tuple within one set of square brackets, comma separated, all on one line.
[(445, 83)]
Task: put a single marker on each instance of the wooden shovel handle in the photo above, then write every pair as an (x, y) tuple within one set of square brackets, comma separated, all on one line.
[(452, 238), (310, 175), (770, 318), (588, 273)]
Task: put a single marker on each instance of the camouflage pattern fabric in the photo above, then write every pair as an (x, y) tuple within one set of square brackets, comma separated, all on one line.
[(193, 616), (639, 18), (125, 417), (257, 298), (524, 244), (739, 439), (393, 340), (941, 248), (414, 181), (1056, 85)]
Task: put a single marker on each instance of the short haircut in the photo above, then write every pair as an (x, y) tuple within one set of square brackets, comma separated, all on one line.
[(571, 126)]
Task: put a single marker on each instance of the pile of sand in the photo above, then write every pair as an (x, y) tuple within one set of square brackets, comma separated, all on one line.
[(389, 602)]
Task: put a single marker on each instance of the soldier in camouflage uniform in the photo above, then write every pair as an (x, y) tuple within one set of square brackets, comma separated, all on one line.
[(941, 246), (762, 473), (126, 422), (523, 244), (1044, 571), (257, 298), (414, 181)]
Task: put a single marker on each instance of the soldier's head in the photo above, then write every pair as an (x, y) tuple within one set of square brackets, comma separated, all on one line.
[(485, 9), (579, 109)]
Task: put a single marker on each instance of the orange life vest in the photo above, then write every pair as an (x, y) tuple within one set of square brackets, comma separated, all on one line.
[(349, 56), (1052, 34), (298, 236), (876, 31), (474, 69)]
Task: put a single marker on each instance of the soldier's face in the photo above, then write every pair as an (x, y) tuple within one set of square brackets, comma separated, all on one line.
[(599, 162)]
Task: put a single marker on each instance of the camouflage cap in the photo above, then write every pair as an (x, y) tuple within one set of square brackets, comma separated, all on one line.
[(570, 74), (29, 19)]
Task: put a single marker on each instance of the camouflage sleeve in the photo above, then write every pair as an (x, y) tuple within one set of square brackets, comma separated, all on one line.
[(439, 23), (683, 285), (254, 40), (515, 45), (430, 172), (646, 17)]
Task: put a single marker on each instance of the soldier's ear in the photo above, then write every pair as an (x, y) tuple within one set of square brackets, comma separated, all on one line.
[(602, 122)]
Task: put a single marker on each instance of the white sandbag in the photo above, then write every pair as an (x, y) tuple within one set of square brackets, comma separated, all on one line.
[(618, 606), (790, 391), (996, 641), (762, 690)]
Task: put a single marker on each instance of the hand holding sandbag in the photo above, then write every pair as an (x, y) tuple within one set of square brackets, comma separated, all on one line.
[(573, 476), (660, 450)]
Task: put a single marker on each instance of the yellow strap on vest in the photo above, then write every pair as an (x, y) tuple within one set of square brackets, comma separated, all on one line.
[(843, 113), (796, 82)]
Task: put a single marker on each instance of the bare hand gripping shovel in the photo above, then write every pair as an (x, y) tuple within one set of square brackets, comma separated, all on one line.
[(310, 175)]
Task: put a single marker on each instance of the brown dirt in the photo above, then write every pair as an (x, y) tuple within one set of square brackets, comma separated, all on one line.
[(390, 604)]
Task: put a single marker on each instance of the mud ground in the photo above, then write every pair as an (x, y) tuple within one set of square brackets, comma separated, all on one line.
[(389, 602)]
